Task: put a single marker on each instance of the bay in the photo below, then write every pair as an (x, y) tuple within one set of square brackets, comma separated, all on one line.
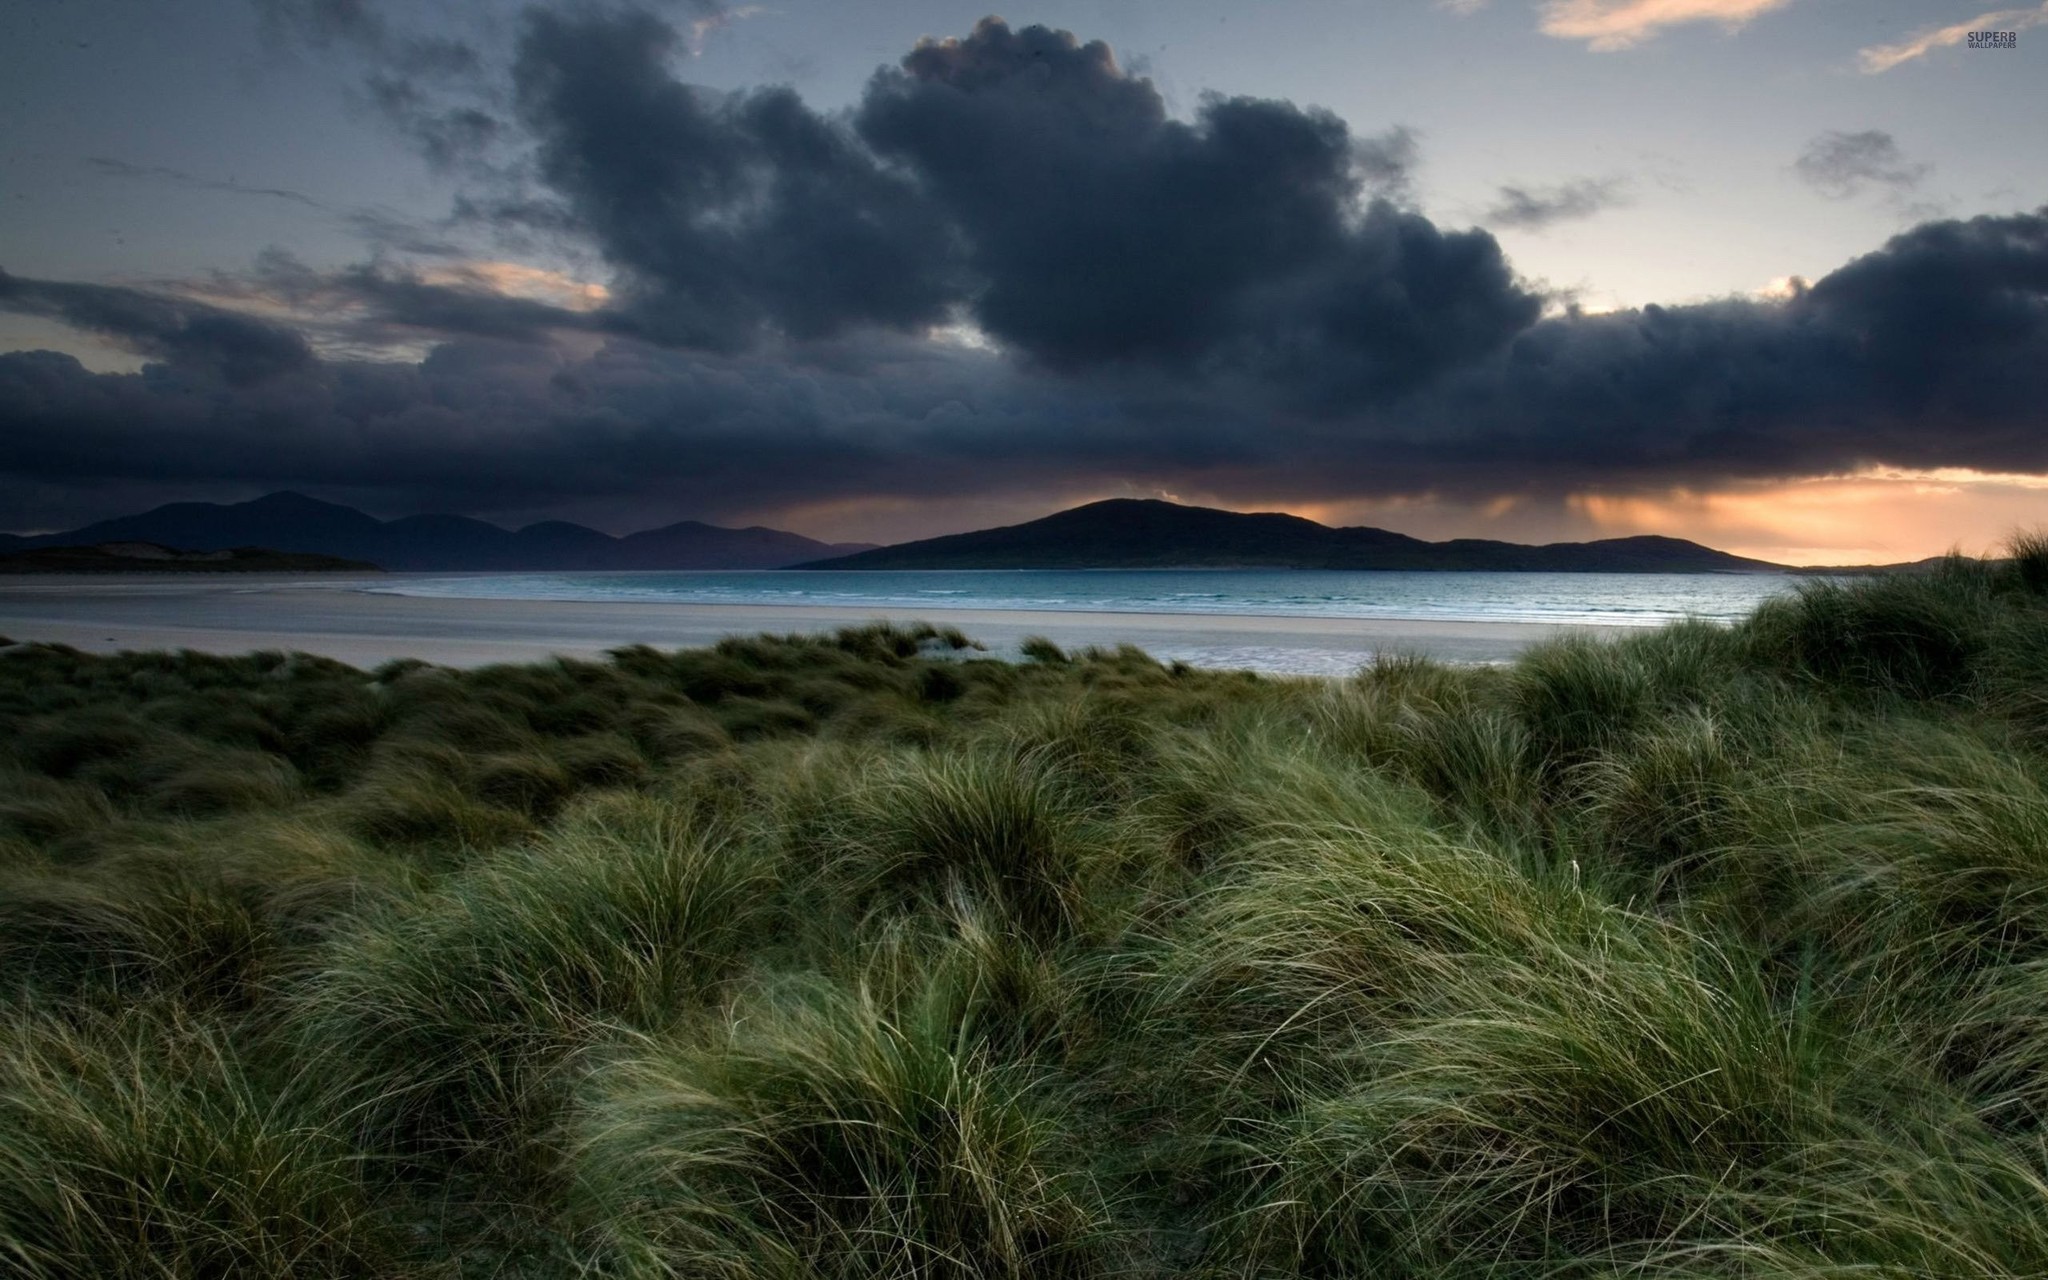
[(1594, 599)]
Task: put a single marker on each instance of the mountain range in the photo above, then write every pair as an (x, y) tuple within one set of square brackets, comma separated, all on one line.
[(293, 522), (1133, 533), (1120, 533)]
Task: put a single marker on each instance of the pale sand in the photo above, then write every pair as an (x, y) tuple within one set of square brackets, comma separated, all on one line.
[(337, 618)]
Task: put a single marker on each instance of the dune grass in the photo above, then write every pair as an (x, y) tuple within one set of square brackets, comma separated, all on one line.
[(1712, 952)]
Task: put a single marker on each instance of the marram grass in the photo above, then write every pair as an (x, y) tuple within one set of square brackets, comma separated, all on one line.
[(1713, 952)]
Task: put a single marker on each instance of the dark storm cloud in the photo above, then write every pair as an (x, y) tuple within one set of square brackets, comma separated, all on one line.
[(1017, 178), (1023, 178), (1842, 165), (1951, 314), (1932, 351), (1218, 303), (485, 426), (1534, 208), (724, 214), (1103, 232), (188, 336)]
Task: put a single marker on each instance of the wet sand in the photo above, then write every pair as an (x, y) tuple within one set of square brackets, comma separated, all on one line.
[(337, 617)]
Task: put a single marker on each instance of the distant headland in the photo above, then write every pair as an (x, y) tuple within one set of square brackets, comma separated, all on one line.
[(1133, 533), (1117, 533)]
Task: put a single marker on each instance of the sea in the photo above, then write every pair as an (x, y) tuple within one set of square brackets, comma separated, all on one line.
[(1597, 599), (1556, 599)]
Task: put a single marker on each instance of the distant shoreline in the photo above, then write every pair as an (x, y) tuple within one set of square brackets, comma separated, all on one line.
[(338, 617), (150, 559)]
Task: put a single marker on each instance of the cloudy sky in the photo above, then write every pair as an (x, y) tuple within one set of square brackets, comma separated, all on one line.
[(1771, 274)]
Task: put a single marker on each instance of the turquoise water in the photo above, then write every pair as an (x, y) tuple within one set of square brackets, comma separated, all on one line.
[(1607, 599)]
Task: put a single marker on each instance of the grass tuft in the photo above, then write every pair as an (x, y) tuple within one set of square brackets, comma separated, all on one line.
[(463, 1009), (816, 1131), (142, 1145)]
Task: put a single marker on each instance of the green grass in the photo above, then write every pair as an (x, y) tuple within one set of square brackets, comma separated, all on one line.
[(463, 1008), (141, 1143), (819, 1130), (1713, 952)]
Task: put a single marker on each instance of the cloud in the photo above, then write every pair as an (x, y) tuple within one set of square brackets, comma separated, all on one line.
[(1534, 208), (455, 300), (178, 177), (1929, 352), (1100, 232), (384, 231), (1385, 164), (431, 89), (192, 339), (726, 214), (1881, 58), (387, 232), (518, 280), (436, 90), (1952, 311), (386, 307), (1841, 165), (1017, 179), (480, 425), (1608, 25), (1932, 351), (446, 136)]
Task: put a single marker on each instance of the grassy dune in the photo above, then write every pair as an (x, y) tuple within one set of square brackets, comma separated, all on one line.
[(1713, 952)]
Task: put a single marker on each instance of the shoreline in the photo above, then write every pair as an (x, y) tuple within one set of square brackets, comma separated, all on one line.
[(338, 618)]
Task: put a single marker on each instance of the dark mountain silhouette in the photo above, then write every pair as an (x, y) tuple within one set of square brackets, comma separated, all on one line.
[(292, 522), (1128, 533)]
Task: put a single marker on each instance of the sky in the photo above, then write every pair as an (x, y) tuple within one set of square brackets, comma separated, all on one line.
[(1768, 274)]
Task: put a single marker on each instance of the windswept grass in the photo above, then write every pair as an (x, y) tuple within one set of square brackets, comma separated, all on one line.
[(463, 1008), (990, 826), (143, 1144), (1714, 952), (818, 1130)]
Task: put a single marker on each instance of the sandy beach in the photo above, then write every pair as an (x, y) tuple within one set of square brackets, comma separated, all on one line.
[(340, 618)]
